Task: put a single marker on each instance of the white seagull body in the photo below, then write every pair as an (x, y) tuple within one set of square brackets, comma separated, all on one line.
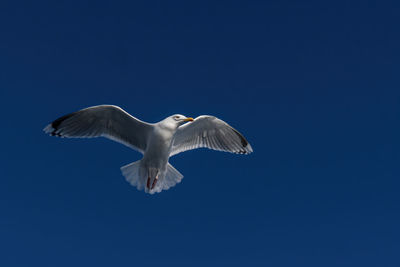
[(156, 141)]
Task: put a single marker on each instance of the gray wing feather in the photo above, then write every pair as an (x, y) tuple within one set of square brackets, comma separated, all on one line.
[(209, 132), (105, 120)]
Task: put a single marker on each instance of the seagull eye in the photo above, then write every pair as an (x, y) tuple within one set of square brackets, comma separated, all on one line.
[(176, 117)]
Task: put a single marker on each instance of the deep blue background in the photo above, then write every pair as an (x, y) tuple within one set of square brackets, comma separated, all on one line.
[(313, 86)]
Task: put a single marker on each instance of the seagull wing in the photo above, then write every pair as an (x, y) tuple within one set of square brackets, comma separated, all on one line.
[(105, 120), (210, 132)]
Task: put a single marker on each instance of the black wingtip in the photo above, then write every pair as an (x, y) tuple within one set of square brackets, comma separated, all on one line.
[(55, 124), (58, 121), (242, 139)]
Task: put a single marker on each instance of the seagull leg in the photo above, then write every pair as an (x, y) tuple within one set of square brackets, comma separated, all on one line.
[(154, 182), (148, 182)]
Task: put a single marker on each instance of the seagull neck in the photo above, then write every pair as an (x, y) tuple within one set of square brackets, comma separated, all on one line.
[(168, 126)]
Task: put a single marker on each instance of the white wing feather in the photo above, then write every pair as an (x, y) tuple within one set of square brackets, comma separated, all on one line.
[(104, 120), (209, 132)]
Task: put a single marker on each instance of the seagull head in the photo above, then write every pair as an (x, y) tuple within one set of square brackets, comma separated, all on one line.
[(174, 121), (180, 119)]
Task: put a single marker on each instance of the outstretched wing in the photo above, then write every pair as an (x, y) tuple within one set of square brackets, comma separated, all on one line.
[(105, 120), (210, 132)]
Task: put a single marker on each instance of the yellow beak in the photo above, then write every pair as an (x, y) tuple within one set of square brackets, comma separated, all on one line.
[(188, 119)]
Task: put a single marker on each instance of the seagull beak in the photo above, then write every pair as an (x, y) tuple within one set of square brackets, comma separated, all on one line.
[(188, 119)]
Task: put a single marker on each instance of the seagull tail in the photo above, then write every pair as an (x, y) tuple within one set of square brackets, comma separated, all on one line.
[(135, 175), (168, 179), (172, 177)]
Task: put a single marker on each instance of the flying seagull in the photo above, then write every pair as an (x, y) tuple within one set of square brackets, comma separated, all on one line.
[(156, 141)]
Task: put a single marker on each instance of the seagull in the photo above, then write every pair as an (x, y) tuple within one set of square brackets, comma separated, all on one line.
[(156, 141)]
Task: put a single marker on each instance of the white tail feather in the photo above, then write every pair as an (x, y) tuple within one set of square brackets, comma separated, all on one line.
[(137, 177), (172, 177), (132, 175)]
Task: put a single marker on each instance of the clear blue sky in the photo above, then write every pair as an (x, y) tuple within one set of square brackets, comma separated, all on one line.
[(314, 87)]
